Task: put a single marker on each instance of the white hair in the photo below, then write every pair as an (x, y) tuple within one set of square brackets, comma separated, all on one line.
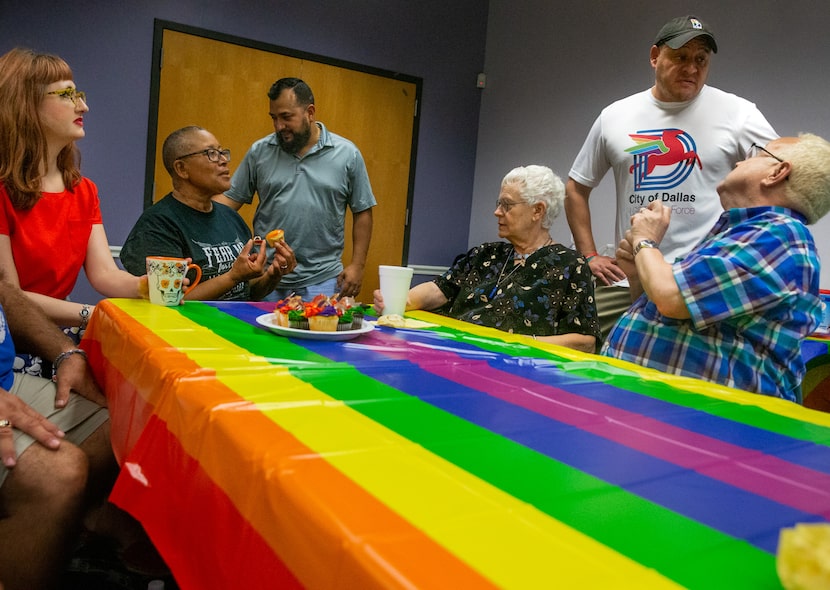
[(538, 184), (808, 187)]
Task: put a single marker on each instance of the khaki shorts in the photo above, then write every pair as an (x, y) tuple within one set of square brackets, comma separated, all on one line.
[(78, 419), (611, 302)]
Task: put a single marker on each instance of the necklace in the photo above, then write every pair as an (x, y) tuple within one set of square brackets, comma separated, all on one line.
[(501, 273), (523, 257), (518, 261)]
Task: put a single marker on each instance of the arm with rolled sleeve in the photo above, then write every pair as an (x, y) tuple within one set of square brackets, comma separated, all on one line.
[(243, 183), (361, 201)]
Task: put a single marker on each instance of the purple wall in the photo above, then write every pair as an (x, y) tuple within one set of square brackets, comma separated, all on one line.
[(109, 46)]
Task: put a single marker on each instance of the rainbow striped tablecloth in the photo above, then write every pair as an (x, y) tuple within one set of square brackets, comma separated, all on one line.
[(450, 457)]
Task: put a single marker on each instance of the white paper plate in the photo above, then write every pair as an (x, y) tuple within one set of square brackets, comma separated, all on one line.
[(267, 321)]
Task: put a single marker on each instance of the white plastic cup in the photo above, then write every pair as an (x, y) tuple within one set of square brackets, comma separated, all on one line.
[(394, 286)]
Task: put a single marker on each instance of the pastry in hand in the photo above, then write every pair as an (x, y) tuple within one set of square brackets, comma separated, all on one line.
[(274, 236)]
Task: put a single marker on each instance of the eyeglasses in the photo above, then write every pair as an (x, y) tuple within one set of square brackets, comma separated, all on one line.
[(506, 206), (753, 150), (211, 153), (72, 94)]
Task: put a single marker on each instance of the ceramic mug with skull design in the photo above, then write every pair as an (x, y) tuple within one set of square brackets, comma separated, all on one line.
[(165, 276)]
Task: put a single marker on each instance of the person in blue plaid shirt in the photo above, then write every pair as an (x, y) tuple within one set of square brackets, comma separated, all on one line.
[(735, 310)]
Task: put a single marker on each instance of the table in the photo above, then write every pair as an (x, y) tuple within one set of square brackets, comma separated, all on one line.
[(449, 457), (816, 386)]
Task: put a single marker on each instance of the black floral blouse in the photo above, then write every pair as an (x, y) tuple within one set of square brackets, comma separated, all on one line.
[(552, 293)]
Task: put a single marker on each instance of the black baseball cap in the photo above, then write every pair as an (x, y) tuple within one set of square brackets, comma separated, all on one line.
[(679, 31)]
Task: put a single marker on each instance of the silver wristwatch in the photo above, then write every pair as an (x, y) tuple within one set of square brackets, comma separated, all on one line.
[(644, 244), (84, 313)]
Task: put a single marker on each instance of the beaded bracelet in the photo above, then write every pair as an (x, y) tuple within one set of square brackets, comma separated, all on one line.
[(62, 357)]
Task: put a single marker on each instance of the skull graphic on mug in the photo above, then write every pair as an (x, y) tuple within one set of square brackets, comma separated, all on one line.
[(165, 277)]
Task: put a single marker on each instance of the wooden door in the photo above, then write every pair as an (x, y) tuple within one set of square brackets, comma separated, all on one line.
[(222, 86)]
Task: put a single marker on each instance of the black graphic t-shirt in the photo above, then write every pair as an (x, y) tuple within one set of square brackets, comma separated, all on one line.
[(170, 228)]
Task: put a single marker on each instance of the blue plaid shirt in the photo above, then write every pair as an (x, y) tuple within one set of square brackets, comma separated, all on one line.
[(752, 289)]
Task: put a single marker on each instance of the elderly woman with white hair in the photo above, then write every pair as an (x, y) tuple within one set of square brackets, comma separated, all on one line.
[(529, 284)]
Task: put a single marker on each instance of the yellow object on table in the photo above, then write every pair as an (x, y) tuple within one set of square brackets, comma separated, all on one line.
[(398, 321), (804, 557)]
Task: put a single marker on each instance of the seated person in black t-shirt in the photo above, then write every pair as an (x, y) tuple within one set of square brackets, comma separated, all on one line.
[(188, 224)]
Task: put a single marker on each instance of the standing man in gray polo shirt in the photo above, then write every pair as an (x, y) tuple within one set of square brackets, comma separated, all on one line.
[(306, 177)]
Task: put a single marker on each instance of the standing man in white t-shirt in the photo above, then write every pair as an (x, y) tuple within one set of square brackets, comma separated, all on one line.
[(672, 143)]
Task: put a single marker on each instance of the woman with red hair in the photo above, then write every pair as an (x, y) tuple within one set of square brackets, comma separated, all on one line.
[(50, 219)]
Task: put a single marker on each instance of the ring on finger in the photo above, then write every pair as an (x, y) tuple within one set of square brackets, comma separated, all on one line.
[(5, 424)]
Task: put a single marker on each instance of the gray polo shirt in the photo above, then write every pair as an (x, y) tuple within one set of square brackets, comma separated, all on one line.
[(307, 197)]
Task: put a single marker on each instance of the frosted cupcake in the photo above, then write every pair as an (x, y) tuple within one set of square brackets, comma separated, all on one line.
[(281, 316), (283, 307), (297, 319), (344, 322), (324, 320), (357, 317)]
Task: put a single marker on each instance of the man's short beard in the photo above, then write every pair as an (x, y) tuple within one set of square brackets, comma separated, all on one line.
[(297, 143)]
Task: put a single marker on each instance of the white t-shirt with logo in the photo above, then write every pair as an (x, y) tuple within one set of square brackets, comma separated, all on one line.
[(677, 152)]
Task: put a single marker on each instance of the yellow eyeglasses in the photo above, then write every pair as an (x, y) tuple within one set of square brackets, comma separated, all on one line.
[(72, 94)]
